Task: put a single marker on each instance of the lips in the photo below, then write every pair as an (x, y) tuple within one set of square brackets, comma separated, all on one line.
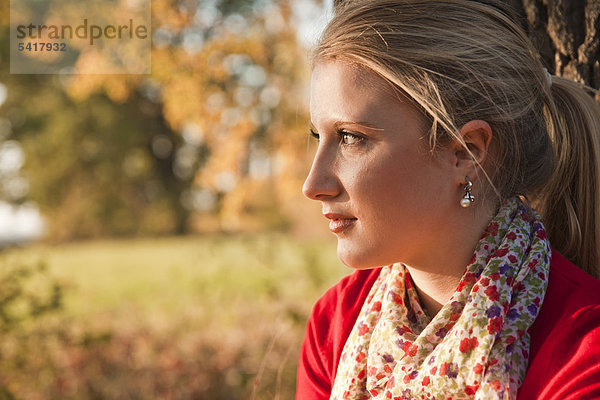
[(339, 223)]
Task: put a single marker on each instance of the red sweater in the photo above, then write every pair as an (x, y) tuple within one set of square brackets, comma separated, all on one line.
[(564, 358)]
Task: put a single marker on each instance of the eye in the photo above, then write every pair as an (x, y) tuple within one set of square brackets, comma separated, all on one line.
[(314, 134), (350, 138)]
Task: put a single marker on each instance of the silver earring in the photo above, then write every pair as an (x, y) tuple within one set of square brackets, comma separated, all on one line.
[(468, 198)]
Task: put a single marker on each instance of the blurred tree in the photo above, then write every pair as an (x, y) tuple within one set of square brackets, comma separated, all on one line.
[(97, 166), (216, 128), (232, 80)]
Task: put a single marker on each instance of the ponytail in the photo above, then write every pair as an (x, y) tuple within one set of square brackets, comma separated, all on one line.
[(570, 201)]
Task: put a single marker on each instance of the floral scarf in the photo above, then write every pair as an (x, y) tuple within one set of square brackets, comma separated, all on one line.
[(476, 347)]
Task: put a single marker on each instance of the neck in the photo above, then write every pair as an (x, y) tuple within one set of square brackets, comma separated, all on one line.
[(437, 274), (434, 289)]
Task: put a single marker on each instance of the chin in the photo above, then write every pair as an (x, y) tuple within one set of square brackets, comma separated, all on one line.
[(355, 259)]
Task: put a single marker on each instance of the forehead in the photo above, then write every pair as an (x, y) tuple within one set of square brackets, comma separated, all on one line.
[(345, 92), (350, 76)]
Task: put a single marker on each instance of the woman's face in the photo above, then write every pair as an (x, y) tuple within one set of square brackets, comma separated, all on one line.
[(386, 196)]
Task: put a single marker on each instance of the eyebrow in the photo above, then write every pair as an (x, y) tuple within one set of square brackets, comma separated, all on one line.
[(338, 124)]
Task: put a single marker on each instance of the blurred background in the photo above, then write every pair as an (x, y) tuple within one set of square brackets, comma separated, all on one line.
[(155, 242)]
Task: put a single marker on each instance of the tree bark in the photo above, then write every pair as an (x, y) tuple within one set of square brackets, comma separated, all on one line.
[(567, 34)]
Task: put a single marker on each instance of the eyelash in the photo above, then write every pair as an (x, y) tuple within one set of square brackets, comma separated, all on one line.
[(314, 134), (342, 134)]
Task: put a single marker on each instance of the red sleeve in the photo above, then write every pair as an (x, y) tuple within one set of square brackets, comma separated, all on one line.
[(313, 381), (577, 356), (565, 340), (329, 325)]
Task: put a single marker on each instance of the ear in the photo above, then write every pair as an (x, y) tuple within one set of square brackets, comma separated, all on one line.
[(477, 135)]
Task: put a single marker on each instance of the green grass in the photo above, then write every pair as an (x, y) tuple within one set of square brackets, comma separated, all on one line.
[(207, 317), (167, 275)]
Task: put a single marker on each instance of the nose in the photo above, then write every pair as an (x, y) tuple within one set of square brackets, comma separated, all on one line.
[(322, 182)]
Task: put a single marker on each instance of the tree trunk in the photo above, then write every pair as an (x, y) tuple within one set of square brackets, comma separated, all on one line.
[(566, 32)]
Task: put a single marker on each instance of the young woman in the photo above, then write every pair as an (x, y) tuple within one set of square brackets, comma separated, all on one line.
[(463, 183)]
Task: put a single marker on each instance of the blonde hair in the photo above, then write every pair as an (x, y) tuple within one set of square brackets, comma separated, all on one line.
[(460, 60)]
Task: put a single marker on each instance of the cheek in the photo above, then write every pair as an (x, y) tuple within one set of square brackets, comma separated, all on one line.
[(400, 190), (390, 180), (381, 193)]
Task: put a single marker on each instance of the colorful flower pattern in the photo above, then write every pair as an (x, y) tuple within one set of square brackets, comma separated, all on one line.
[(476, 347)]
